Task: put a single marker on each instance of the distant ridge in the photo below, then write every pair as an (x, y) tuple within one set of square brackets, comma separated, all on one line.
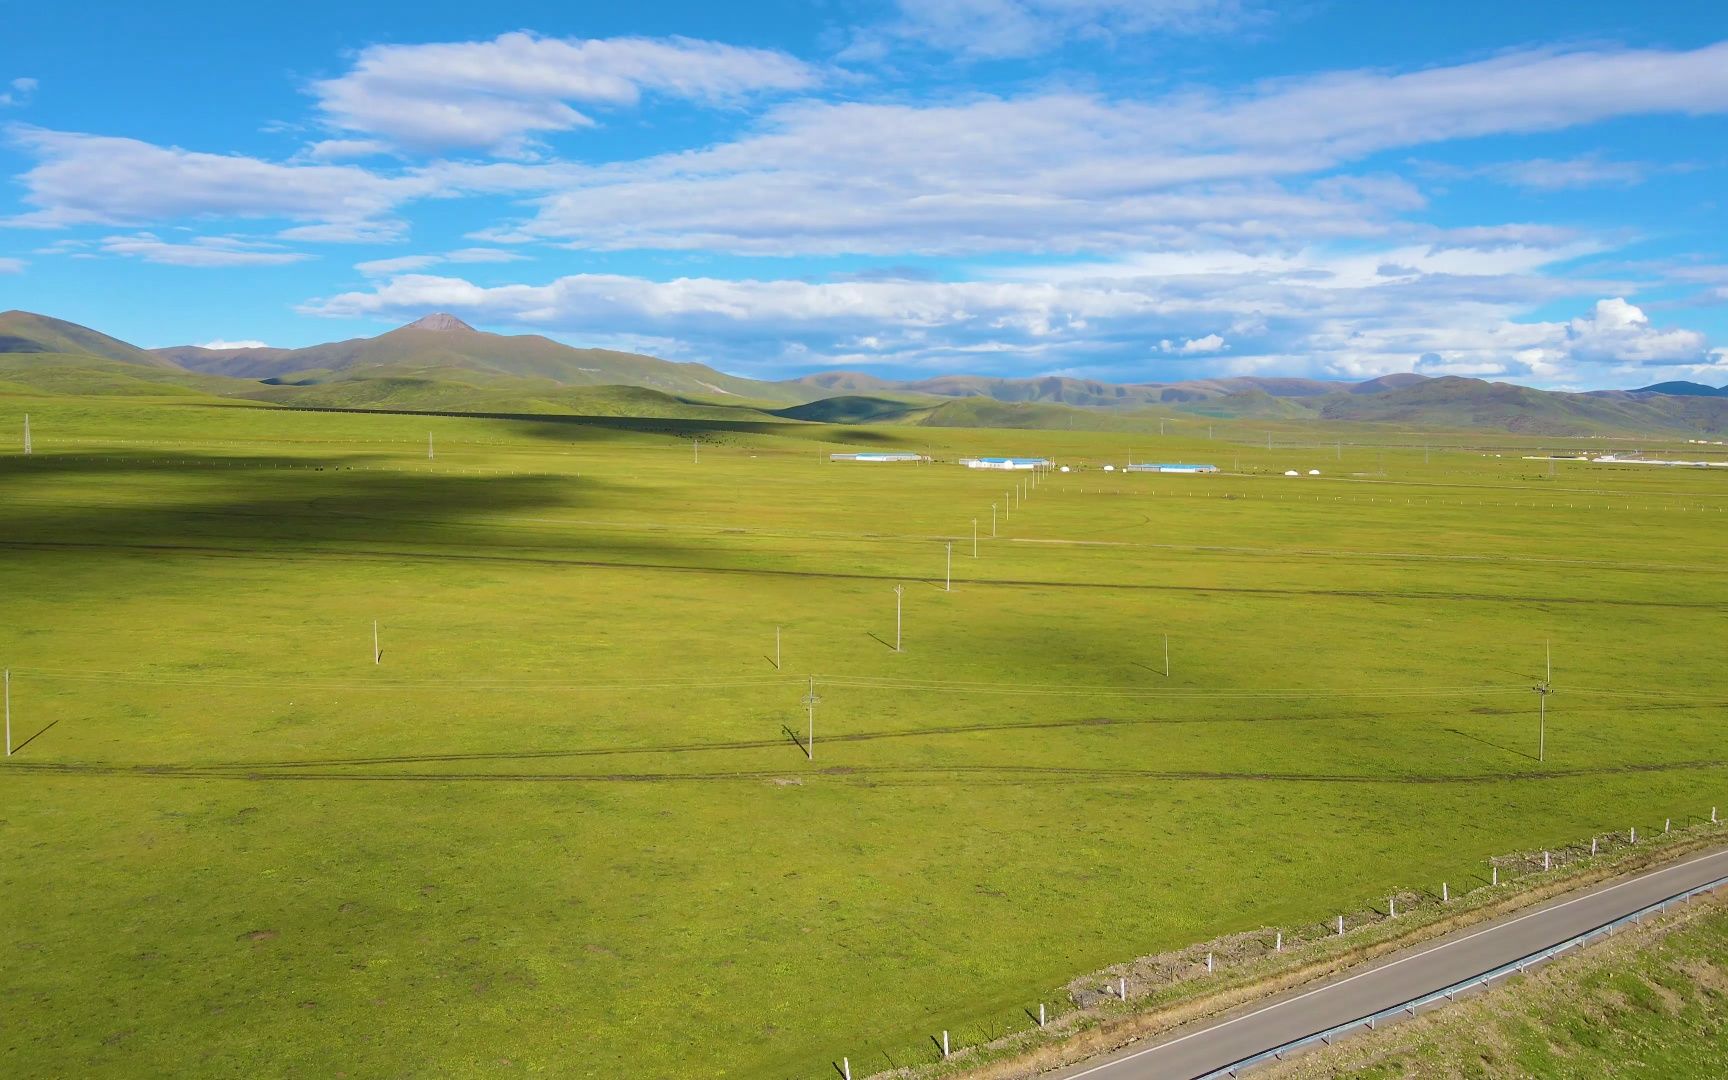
[(1683, 389), (439, 362)]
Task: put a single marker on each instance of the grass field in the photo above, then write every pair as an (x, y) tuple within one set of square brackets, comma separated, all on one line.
[(564, 828)]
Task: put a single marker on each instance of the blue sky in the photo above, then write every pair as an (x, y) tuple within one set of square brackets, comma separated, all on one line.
[(1138, 190)]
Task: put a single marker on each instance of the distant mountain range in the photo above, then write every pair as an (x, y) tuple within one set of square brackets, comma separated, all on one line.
[(440, 363)]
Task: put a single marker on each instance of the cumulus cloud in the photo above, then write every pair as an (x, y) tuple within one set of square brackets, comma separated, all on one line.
[(204, 251), (997, 29), (12, 266), (1312, 312), (497, 95), (1618, 332), (219, 343), (1211, 343)]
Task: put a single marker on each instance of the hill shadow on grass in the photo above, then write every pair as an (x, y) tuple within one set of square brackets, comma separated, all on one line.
[(561, 427)]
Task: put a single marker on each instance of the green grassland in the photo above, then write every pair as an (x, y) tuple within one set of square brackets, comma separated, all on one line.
[(563, 827), (1649, 1003)]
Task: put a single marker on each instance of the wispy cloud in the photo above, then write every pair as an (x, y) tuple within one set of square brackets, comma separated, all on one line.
[(18, 92), (1547, 174), (204, 251), (405, 263), (1080, 172), (97, 179), (497, 95), (999, 29)]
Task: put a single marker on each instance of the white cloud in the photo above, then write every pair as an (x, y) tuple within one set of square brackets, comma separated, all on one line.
[(204, 251), (1619, 332), (1211, 343), (81, 179), (1051, 172), (1550, 174), (1080, 172), (484, 255), (225, 345), (996, 29), (398, 265), (496, 95), (18, 92), (1446, 310), (404, 263), (344, 149), (12, 266)]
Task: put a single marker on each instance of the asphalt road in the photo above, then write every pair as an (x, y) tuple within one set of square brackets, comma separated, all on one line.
[(1213, 1044)]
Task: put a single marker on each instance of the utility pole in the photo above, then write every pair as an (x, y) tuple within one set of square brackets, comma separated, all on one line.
[(8, 712), (1268, 440), (696, 451), (776, 648), (899, 591), (429, 454), (1166, 656), (1546, 688), (810, 703), (948, 582), (27, 450), (377, 657), (992, 520), (974, 538)]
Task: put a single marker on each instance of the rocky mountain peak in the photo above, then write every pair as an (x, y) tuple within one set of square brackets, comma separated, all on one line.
[(439, 321)]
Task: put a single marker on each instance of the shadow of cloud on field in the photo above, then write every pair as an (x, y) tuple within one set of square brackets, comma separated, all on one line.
[(293, 506)]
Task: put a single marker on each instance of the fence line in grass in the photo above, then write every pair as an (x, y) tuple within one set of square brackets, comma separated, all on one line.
[(1117, 987)]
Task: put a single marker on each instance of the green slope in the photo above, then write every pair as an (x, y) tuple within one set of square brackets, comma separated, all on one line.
[(27, 332), (447, 345), (45, 373)]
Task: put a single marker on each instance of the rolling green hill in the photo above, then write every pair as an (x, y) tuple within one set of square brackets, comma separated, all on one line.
[(48, 373), (27, 332), (438, 345)]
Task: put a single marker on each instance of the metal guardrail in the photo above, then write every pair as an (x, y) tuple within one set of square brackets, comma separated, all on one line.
[(1448, 993)]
